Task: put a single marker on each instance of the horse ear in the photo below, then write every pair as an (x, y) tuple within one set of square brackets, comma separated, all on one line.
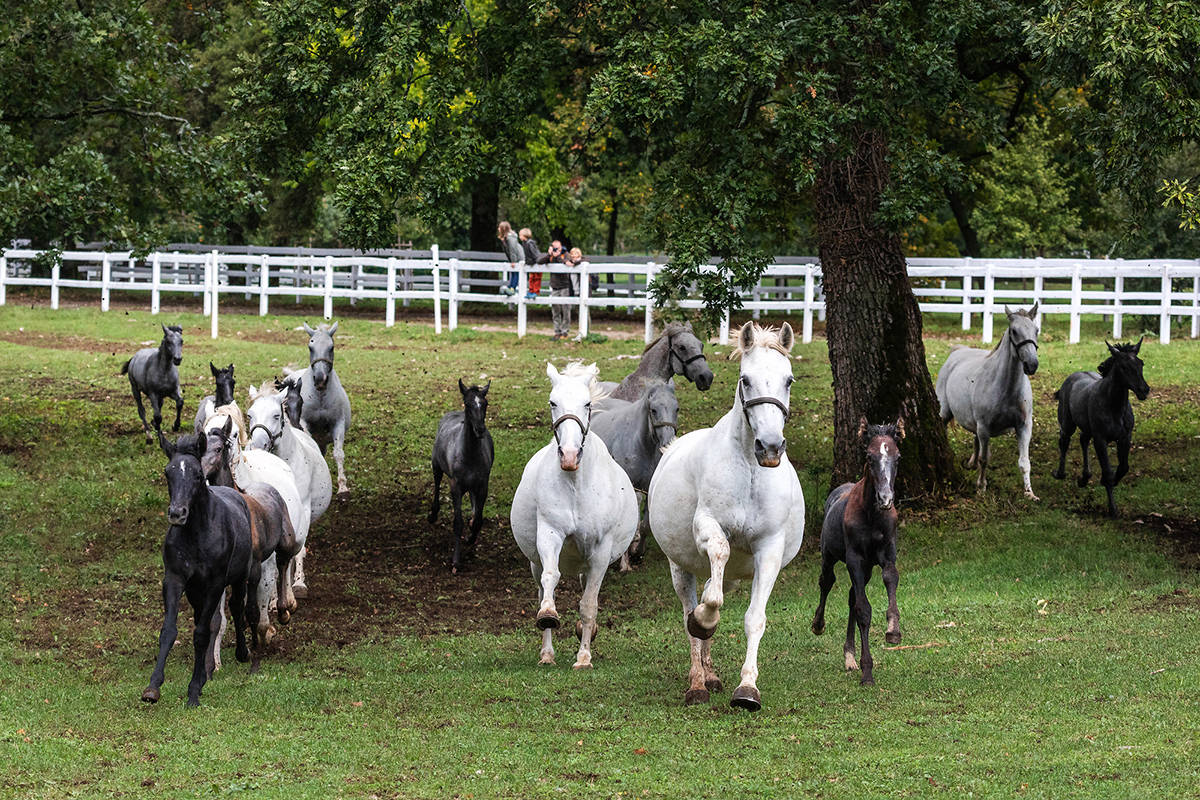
[(250, 393), (461, 388), (230, 368), (227, 428), (487, 386), (333, 329), (164, 327), (746, 336), (862, 427), (786, 337), (1137, 348), (213, 368), (1113, 350), (551, 373), (167, 447), (307, 329), (1033, 311), (1007, 312), (899, 430)]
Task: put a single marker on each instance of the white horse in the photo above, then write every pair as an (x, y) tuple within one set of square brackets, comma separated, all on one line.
[(259, 466), (725, 504), (574, 510), (271, 431)]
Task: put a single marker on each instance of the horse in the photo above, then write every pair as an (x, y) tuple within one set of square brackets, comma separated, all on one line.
[(988, 393), (326, 408), (463, 450), (208, 546), (635, 434), (676, 351), (154, 372), (860, 529), (725, 504), (223, 396), (226, 434), (271, 430), (574, 509), (1098, 404), (293, 404)]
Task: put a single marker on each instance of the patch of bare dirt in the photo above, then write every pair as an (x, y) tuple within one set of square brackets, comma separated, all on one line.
[(54, 341), (1180, 534)]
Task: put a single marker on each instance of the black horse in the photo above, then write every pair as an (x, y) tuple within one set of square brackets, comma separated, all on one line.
[(209, 545), (463, 450), (222, 397), (293, 406), (860, 529), (154, 372), (1098, 404)]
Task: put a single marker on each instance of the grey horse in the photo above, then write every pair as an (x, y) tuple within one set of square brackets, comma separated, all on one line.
[(988, 393), (635, 434), (326, 407), (154, 372), (676, 351)]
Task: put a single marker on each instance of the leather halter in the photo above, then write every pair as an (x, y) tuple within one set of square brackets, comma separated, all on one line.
[(271, 438), (764, 399), (328, 361), (585, 427), (682, 363), (1018, 345)]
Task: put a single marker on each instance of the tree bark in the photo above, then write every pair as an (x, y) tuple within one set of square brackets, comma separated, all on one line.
[(874, 324), (962, 216), (485, 213)]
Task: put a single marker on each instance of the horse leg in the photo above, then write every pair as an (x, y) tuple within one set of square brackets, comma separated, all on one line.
[(548, 544), (825, 582), (848, 648), (1086, 475), (984, 452), (711, 681), (218, 635), (1122, 458), (860, 575), (253, 613), (547, 654), (237, 608), (156, 405), (685, 589), (767, 564), (137, 398), (178, 396), (710, 540), (589, 605), (1024, 433), (339, 437), (891, 578), (457, 530), (974, 454), (172, 589), (478, 496), (1106, 472), (1065, 430), (205, 603), (437, 498)]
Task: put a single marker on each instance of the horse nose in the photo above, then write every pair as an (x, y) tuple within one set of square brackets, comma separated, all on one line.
[(1031, 366), (177, 516), (769, 452), (177, 361), (568, 458), (704, 380)]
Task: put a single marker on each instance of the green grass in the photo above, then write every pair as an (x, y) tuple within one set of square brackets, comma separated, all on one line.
[(1060, 644)]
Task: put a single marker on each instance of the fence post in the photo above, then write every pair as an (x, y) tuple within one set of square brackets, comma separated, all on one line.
[(1195, 300), (355, 272), (264, 284), (1164, 311), (390, 318), (453, 299), (989, 302), (1118, 307), (437, 290), (1039, 283), (55, 274), (520, 295), (1076, 304), (585, 289), (723, 337), (4, 279), (155, 283), (649, 321), (808, 304), (755, 296), (328, 310), (216, 289), (105, 278), (206, 281)]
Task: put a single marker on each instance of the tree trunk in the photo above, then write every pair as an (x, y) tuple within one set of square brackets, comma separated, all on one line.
[(611, 249), (874, 324), (962, 216), (485, 212)]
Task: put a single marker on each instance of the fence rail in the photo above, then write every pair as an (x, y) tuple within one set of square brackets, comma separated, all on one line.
[(969, 288)]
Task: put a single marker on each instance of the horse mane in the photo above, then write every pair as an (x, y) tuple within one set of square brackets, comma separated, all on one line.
[(175, 328), (233, 412), (589, 374), (669, 330), (267, 387), (1107, 364), (188, 444), (763, 337)]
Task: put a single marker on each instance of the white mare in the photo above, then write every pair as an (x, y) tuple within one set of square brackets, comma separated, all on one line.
[(259, 466), (725, 504), (574, 510), (271, 431)]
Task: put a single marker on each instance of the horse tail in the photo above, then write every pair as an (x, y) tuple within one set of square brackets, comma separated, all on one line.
[(125, 367)]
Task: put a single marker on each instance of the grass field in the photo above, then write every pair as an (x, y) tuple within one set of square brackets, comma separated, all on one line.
[(1048, 651)]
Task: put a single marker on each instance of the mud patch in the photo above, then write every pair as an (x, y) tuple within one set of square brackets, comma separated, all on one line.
[(1180, 534)]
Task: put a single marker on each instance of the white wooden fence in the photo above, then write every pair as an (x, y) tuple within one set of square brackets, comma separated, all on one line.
[(961, 286)]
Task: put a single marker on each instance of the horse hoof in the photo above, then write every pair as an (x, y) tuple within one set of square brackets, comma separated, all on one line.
[(746, 697), (1058, 474), (150, 695), (1033, 497), (695, 629), (694, 697), (818, 628), (892, 637), (254, 665), (193, 703), (300, 590), (242, 655), (343, 493), (546, 661), (581, 665), (285, 616), (851, 663), (713, 684), (547, 620), (867, 680)]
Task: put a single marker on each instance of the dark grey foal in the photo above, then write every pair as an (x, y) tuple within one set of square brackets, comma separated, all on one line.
[(463, 450), (223, 396), (153, 371), (860, 529)]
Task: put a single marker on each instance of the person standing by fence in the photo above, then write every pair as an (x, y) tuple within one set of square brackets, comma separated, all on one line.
[(532, 254), (513, 252), (560, 286)]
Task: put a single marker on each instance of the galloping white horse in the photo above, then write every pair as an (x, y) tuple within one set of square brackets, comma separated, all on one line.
[(725, 504), (271, 431), (574, 510), (259, 466)]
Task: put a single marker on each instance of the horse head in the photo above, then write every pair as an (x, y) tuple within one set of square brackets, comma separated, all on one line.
[(293, 406), (185, 474), (320, 353), (882, 444), (1126, 368), (571, 395), (225, 383), (764, 387), (221, 439), (686, 354), (475, 406), (662, 412), (1023, 333), (265, 417), (172, 343)]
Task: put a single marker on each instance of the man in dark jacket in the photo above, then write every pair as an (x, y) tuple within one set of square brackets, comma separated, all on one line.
[(532, 254), (560, 286)]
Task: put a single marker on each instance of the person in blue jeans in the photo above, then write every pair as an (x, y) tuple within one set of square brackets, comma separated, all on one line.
[(513, 252)]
